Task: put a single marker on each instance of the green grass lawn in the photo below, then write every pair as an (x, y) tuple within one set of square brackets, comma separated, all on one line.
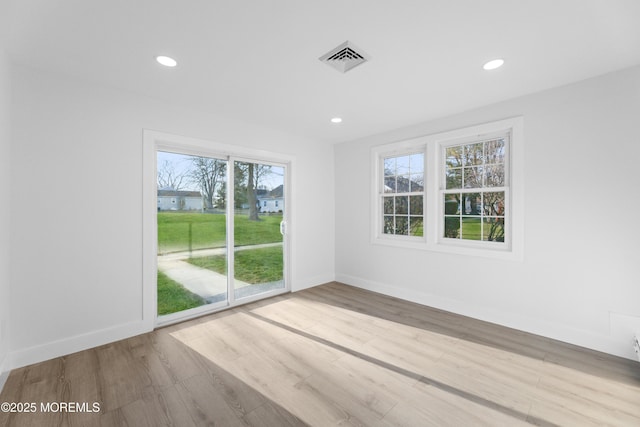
[(173, 297), (182, 231), (253, 266), (472, 228)]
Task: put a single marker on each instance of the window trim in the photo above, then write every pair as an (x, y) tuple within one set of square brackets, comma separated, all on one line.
[(433, 146), (378, 156)]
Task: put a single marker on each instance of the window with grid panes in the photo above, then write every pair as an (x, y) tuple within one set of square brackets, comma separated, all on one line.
[(459, 191), (474, 194), (403, 196)]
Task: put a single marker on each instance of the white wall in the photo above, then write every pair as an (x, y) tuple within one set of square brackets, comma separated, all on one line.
[(76, 273), (76, 262), (5, 196), (580, 278)]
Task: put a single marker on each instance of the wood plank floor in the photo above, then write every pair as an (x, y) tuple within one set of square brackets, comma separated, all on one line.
[(332, 355)]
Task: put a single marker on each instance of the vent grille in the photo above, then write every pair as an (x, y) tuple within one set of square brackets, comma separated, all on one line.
[(344, 57), (346, 54)]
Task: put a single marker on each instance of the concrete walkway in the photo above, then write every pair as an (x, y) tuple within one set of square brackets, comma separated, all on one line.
[(208, 284)]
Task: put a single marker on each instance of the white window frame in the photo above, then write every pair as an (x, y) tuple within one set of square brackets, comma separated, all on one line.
[(400, 152), (434, 185)]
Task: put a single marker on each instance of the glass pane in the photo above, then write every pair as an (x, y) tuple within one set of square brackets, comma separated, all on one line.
[(404, 174), (494, 176), (403, 184), (389, 184), (454, 178), (402, 205), (258, 253), (417, 183), (388, 205), (471, 228), (191, 228), (416, 226), (416, 163), (473, 154), (389, 166), (493, 229), (494, 203), (473, 177), (388, 227), (452, 227), (452, 204), (453, 156), (495, 151), (402, 165), (416, 205), (472, 204), (402, 225)]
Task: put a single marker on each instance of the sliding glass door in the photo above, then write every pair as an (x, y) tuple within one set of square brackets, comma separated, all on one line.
[(192, 231), (258, 226), (215, 247)]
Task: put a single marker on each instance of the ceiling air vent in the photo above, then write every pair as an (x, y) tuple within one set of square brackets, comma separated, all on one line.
[(344, 57)]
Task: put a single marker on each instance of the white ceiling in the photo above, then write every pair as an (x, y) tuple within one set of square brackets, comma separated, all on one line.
[(257, 60)]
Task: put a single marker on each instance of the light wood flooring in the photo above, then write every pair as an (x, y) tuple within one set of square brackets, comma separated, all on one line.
[(332, 355)]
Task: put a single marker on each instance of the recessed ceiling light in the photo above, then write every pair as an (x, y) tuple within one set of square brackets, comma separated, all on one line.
[(166, 61), (492, 65), (336, 120)]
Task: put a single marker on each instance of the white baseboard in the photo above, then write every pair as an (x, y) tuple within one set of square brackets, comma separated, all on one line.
[(607, 344), (50, 350), (599, 342), (63, 347)]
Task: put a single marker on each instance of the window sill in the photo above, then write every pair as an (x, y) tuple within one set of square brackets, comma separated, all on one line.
[(454, 248)]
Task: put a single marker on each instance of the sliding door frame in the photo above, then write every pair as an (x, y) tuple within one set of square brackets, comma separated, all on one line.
[(154, 141), (231, 294)]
